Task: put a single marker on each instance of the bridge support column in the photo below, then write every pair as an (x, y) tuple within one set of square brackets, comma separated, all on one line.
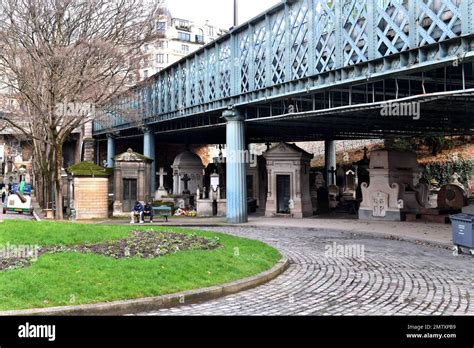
[(236, 180), (149, 151), (330, 161), (110, 150)]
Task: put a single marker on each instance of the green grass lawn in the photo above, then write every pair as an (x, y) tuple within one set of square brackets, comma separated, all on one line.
[(73, 278)]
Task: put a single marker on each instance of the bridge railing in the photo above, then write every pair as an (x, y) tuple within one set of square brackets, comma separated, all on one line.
[(292, 41)]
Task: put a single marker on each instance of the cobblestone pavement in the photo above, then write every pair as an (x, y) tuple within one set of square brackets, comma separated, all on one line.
[(394, 278)]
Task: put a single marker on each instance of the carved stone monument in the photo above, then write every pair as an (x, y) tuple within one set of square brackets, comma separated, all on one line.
[(187, 165), (132, 177), (162, 191), (288, 169), (391, 192)]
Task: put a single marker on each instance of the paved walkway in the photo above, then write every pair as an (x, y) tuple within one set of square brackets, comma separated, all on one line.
[(418, 231), (12, 216), (390, 277)]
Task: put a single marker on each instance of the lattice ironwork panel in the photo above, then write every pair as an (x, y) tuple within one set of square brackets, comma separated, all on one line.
[(169, 90), (299, 31), (324, 35), (278, 46), (162, 95), (259, 61), (355, 42), (244, 61), (212, 71), (175, 83), (201, 79), (154, 98), (225, 66), (438, 20), (392, 27), (183, 77), (192, 83)]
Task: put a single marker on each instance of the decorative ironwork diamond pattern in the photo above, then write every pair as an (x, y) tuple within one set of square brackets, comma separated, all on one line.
[(260, 57), (183, 87), (278, 48), (176, 89), (225, 58), (201, 80), (192, 83), (392, 27), (169, 90), (355, 40), (211, 69), (244, 53), (299, 39), (325, 35), (438, 20), (162, 95)]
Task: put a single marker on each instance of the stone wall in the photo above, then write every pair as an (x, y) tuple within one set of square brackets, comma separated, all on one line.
[(91, 198)]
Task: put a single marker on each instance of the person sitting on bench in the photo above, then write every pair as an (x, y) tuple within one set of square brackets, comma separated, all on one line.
[(148, 211), (137, 211)]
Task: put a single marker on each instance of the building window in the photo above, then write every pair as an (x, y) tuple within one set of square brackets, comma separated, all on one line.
[(185, 48), (160, 44), (160, 58), (161, 26), (183, 25), (211, 31), (184, 36), (200, 36)]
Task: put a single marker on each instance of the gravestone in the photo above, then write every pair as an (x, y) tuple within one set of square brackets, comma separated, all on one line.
[(186, 179), (452, 196), (340, 178), (333, 192), (391, 193), (319, 180), (162, 191), (190, 164), (350, 186)]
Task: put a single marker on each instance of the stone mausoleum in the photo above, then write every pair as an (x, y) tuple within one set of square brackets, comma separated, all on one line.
[(131, 181), (288, 169)]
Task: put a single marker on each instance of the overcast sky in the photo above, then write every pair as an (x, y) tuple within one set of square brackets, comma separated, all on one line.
[(218, 12)]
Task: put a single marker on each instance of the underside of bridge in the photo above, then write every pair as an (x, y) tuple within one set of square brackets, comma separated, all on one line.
[(445, 97)]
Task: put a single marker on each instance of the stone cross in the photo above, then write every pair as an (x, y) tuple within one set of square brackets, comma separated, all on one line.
[(162, 175), (186, 179)]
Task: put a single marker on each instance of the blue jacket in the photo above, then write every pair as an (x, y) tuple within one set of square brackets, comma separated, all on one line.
[(138, 207)]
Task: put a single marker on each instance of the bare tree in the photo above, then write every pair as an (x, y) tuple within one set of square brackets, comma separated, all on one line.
[(55, 52)]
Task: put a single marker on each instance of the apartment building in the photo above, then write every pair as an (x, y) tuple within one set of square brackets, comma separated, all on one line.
[(177, 38)]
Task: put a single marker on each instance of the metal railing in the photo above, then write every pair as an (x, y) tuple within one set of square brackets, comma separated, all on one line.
[(299, 46)]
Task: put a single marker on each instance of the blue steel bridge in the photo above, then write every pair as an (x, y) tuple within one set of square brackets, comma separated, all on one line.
[(308, 70)]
